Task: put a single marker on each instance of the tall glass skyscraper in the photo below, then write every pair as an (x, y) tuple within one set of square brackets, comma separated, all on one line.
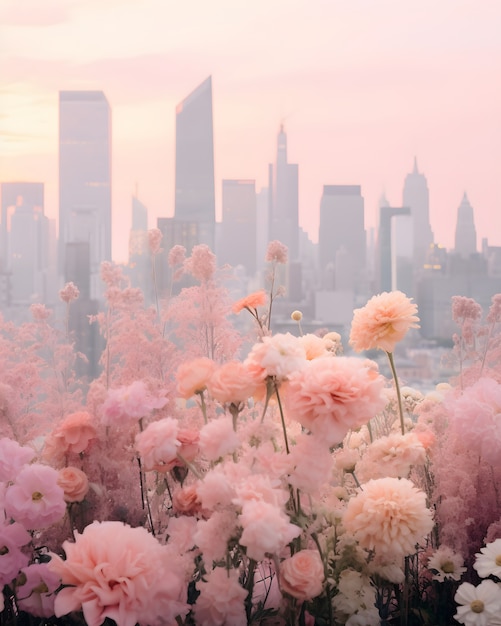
[(85, 178), (194, 199), (416, 197)]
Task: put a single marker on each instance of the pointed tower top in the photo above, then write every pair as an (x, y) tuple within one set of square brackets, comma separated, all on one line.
[(415, 171), (465, 198)]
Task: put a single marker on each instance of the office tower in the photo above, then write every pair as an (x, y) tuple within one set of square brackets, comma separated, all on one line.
[(465, 243), (194, 197), (385, 245), (284, 202), (342, 228), (25, 241), (416, 197), (239, 225), (85, 178), (139, 268)]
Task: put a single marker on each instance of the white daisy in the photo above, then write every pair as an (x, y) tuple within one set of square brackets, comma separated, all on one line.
[(479, 606), (488, 562), (446, 564)]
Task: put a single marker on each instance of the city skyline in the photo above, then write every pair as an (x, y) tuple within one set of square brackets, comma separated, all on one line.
[(359, 94)]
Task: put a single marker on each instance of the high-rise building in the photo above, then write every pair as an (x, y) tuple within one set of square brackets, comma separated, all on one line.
[(239, 230), (284, 202), (342, 229), (416, 197), (194, 196), (385, 246), (85, 178), (465, 243), (139, 268)]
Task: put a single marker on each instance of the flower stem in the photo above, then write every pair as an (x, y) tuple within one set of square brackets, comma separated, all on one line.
[(282, 419), (397, 389)]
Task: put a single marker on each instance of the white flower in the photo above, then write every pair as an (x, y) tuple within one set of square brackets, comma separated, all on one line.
[(479, 606), (446, 564), (488, 563), (355, 593)]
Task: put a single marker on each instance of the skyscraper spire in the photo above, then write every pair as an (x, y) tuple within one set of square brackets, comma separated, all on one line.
[(466, 234), (415, 171)]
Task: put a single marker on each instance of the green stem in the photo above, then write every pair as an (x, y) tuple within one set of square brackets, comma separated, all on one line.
[(397, 389), (282, 419)]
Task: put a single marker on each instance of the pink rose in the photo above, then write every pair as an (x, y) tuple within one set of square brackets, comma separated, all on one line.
[(302, 575), (73, 434), (186, 501), (74, 483)]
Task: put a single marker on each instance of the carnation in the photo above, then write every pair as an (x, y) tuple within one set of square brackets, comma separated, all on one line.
[(130, 403), (277, 356), (221, 600), (218, 438), (192, 377), (232, 382), (393, 455), (389, 516), (158, 445)]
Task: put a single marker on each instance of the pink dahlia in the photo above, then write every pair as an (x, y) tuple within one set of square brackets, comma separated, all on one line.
[(130, 403), (35, 500), (118, 572), (389, 516), (383, 322), (333, 395)]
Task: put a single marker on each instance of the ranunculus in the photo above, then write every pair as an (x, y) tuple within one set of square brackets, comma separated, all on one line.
[(389, 516), (383, 322), (302, 575), (333, 395), (35, 500), (118, 572), (192, 377), (74, 483)]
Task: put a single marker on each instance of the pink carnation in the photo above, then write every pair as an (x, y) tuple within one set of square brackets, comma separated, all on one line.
[(389, 516), (158, 445), (302, 575), (393, 455), (276, 252), (333, 395), (217, 438), (252, 301), (12, 458), (312, 463), (221, 599), (36, 590), (232, 382), (277, 356), (383, 322), (118, 572), (130, 403), (35, 500), (12, 538), (192, 377)]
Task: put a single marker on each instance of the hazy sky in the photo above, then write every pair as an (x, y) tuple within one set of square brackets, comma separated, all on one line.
[(362, 87)]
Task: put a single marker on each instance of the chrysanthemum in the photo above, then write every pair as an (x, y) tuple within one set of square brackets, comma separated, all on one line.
[(488, 561), (479, 606), (446, 564), (389, 516), (252, 301), (383, 322)]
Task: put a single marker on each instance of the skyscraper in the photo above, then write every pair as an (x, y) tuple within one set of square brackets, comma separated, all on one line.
[(416, 197), (465, 243), (239, 245), (85, 178), (194, 197), (342, 229), (284, 209)]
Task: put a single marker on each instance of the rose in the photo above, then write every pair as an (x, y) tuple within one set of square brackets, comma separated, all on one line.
[(302, 575), (74, 483)]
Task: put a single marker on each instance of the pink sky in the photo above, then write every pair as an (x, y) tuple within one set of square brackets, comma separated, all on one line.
[(363, 87)]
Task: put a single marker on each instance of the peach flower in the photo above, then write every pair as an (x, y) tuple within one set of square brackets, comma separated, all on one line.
[(221, 599), (185, 500), (252, 301), (118, 572), (276, 252), (302, 575), (74, 483), (383, 322), (192, 376), (389, 516), (73, 434), (333, 395), (393, 455), (232, 382), (277, 356), (158, 445)]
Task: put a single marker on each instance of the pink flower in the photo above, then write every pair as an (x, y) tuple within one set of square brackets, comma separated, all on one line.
[(212, 535), (266, 529), (201, 264), (154, 240), (192, 377), (185, 500), (389, 516), (465, 309), (35, 500), (277, 356), (217, 438), (333, 395), (158, 445), (69, 293), (302, 575), (12, 538), (221, 599), (177, 256), (312, 463), (252, 301), (315, 346), (276, 252), (74, 483), (393, 455), (118, 572), (35, 590), (383, 322), (130, 403), (12, 458), (40, 312), (232, 382), (73, 434)]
